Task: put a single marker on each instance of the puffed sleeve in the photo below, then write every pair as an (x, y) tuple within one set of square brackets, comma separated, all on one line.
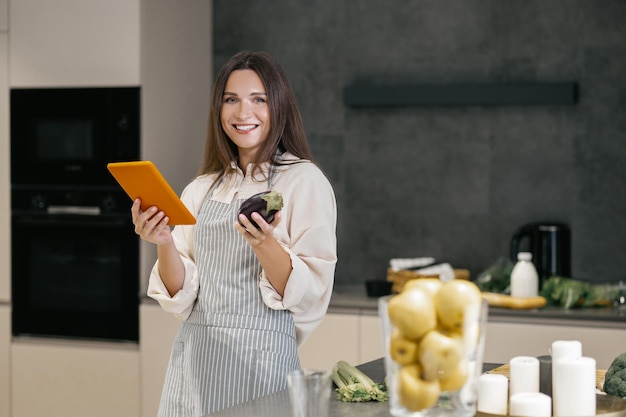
[(308, 234), (182, 302)]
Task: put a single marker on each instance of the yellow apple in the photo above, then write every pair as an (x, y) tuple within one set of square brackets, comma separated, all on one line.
[(401, 349), (431, 285), (412, 312), (453, 381), (439, 354), (456, 299), (415, 393)]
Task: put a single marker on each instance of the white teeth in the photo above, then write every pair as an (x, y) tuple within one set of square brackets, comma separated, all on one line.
[(245, 127)]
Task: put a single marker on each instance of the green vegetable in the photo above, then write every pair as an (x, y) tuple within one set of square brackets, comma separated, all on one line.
[(602, 295), (354, 386), (565, 292), (573, 293), (615, 377), (496, 278)]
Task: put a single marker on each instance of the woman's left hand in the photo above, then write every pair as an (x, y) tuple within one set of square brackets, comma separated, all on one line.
[(256, 236), (275, 261)]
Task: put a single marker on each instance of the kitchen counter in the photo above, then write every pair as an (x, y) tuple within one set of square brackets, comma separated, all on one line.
[(350, 299), (278, 405)]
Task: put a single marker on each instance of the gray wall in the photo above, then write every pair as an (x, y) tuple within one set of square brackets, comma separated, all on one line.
[(455, 182)]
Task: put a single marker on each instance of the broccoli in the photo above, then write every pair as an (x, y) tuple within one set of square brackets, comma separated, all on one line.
[(566, 292), (615, 377), (573, 293)]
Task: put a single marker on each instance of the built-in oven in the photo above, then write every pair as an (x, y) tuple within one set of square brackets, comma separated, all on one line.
[(75, 264), (66, 135), (75, 256)]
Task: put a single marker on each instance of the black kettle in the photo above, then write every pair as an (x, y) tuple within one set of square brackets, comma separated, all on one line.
[(550, 244)]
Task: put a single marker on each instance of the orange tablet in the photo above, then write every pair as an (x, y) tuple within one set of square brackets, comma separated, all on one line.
[(141, 179)]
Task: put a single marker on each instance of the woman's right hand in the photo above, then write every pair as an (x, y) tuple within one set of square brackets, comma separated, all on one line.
[(151, 225)]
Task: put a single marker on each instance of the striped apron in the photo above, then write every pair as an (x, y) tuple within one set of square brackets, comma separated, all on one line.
[(232, 348)]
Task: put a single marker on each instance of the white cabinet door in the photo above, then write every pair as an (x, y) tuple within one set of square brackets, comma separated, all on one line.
[(74, 43), (5, 365), (355, 338), (507, 340), (4, 15), (72, 379), (371, 344), (335, 339), (158, 329), (5, 180)]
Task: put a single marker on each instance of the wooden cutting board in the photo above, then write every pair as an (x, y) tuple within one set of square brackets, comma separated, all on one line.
[(519, 303)]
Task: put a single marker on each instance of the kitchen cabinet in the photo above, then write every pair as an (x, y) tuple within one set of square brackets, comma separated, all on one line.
[(334, 339), (5, 193), (510, 332), (157, 331), (506, 340), (5, 180), (63, 379), (351, 336), (4, 16), (74, 43), (355, 335), (371, 344), (5, 360), (162, 46), (165, 48), (176, 78)]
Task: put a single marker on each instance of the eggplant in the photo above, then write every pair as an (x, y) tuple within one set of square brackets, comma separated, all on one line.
[(266, 204)]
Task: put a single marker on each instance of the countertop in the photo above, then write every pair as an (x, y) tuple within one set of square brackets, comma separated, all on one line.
[(352, 299), (278, 405)]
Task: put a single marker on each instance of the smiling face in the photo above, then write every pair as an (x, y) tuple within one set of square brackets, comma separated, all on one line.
[(245, 113)]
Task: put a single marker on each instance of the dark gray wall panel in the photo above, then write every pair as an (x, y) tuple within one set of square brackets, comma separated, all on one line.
[(454, 182)]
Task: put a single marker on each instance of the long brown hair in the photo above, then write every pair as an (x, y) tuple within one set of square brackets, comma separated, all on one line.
[(286, 129)]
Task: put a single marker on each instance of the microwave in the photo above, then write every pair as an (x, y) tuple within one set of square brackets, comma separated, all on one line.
[(66, 136)]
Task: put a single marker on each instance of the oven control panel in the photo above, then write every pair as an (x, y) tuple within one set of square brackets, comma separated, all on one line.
[(72, 201)]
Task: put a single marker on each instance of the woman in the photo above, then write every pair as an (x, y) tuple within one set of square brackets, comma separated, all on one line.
[(247, 296)]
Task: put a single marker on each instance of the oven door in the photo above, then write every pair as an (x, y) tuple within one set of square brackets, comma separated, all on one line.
[(75, 276), (68, 135)]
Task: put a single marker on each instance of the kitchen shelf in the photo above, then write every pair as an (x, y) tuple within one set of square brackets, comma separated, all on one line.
[(462, 94)]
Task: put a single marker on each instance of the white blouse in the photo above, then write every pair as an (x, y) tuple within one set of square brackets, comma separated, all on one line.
[(307, 232)]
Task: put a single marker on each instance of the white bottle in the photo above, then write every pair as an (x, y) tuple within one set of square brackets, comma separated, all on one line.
[(524, 279)]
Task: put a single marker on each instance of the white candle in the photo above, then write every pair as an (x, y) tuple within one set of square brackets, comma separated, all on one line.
[(524, 374), (575, 393), (531, 404), (564, 349), (493, 394)]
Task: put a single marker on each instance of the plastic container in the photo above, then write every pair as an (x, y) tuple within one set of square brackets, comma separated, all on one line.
[(524, 278)]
